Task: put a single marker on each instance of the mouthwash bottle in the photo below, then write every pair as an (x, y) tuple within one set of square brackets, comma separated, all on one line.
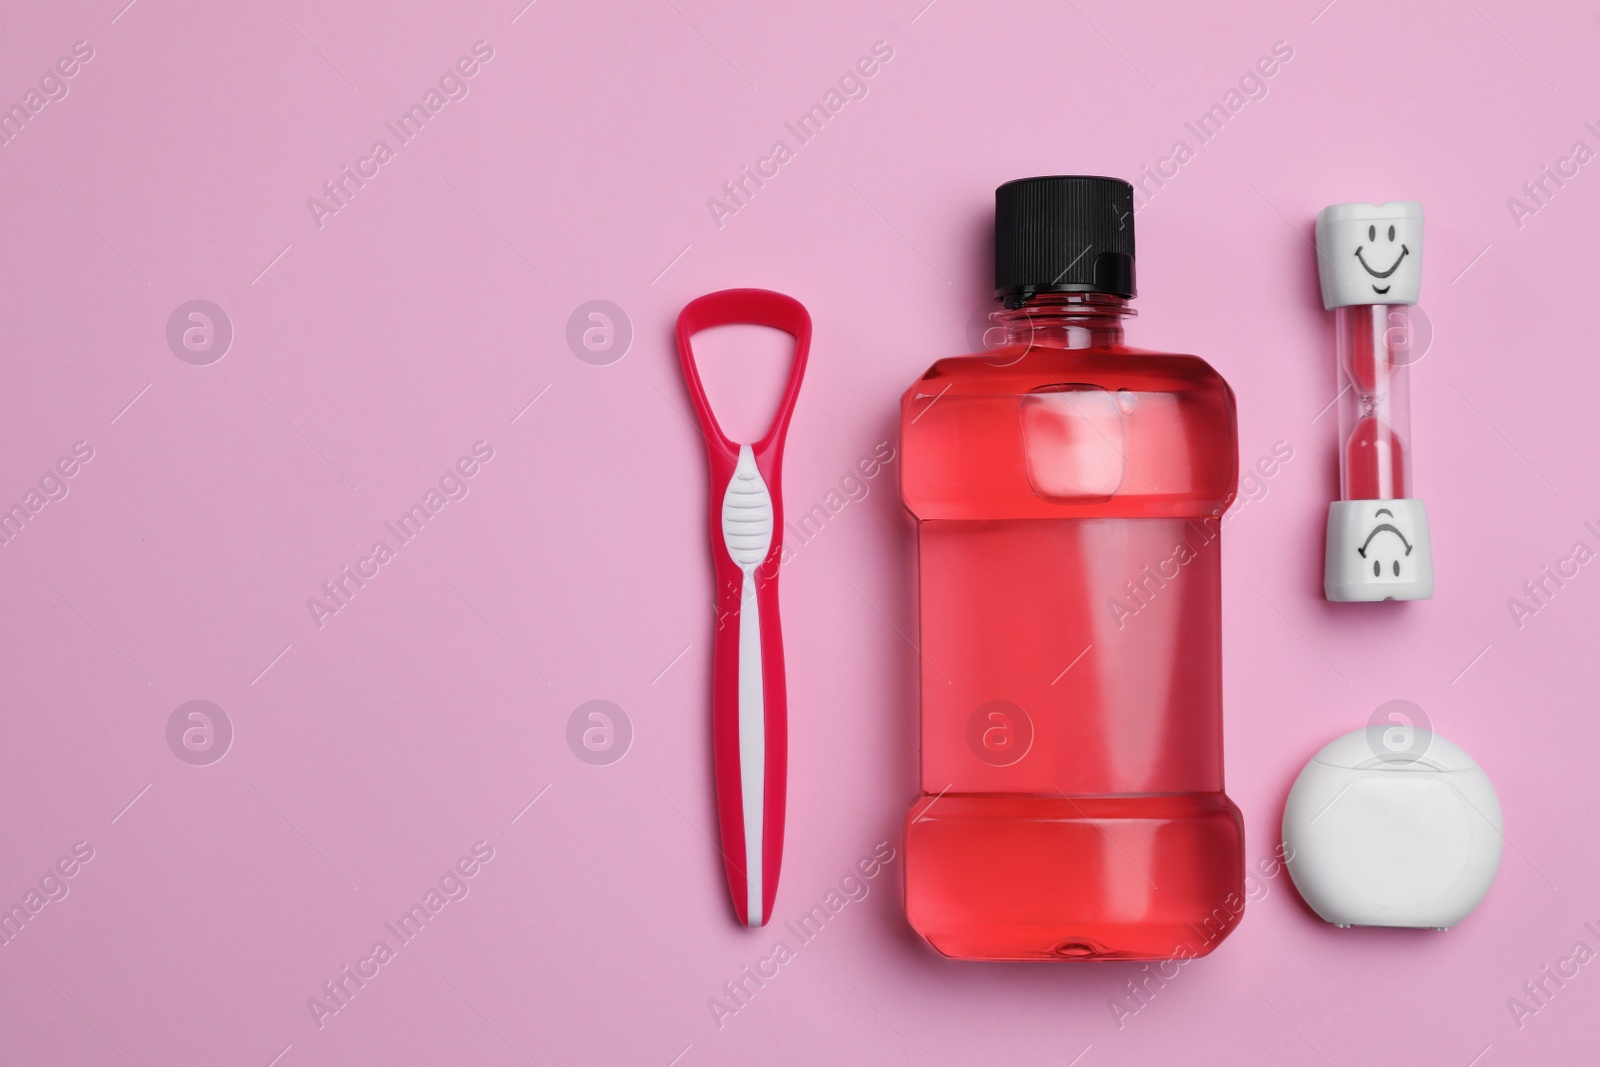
[(1068, 491)]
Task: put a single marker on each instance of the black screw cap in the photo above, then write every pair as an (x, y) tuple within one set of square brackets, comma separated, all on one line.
[(1063, 234)]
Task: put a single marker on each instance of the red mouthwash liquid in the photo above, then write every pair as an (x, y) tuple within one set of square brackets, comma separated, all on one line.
[(1068, 491)]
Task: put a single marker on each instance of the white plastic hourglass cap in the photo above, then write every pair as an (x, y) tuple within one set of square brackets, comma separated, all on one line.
[(1370, 253)]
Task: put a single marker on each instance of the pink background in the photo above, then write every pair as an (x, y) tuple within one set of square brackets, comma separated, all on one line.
[(372, 352)]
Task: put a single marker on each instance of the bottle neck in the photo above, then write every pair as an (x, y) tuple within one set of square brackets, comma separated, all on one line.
[(1066, 320)]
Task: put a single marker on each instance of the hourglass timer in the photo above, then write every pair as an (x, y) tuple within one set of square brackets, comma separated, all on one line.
[(1369, 257)]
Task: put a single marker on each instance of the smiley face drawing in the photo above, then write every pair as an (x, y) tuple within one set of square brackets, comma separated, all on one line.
[(1384, 546), (1370, 253), (1372, 236)]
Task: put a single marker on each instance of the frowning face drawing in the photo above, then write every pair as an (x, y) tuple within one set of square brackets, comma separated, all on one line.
[(1386, 548)]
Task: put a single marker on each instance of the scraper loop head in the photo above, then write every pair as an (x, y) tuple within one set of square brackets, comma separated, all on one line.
[(744, 307)]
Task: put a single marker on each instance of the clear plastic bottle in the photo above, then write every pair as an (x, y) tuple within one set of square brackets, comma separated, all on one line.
[(1068, 491)]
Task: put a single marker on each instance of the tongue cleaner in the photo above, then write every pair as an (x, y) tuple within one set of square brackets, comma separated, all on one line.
[(749, 708)]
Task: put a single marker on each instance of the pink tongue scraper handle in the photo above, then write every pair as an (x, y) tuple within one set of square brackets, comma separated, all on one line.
[(749, 709)]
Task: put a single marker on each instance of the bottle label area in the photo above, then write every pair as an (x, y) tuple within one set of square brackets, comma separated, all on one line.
[(1077, 656)]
